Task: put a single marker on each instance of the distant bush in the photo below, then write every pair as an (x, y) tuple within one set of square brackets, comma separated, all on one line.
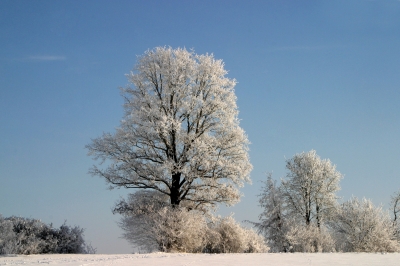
[(31, 236)]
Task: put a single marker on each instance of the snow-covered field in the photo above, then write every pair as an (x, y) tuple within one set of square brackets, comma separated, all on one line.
[(179, 259)]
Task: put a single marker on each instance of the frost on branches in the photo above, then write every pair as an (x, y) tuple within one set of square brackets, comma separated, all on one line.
[(295, 211), (310, 188), (150, 223), (26, 236), (359, 226), (180, 134), (302, 213), (395, 204), (273, 224)]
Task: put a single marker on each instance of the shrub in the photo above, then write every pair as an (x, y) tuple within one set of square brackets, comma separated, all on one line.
[(8, 240), (359, 226), (180, 230), (167, 229), (31, 236), (227, 236), (309, 238), (151, 223)]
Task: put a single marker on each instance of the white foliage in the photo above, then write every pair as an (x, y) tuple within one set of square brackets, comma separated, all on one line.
[(229, 237), (180, 134), (395, 204), (308, 238), (139, 218), (149, 222), (295, 211), (310, 187), (27, 232), (179, 230), (273, 224), (361, 227), (8, 240), (30, 236)]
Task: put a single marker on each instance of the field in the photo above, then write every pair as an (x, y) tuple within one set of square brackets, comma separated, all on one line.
[(180, 259)]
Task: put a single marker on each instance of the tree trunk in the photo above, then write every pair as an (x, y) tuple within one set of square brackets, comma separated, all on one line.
[(318, 216), (175, 190)]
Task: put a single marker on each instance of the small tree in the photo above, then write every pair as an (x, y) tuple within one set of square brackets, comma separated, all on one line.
[(359, 226), (180, 134), (272, 223), (294, 211), (310, 187), (396, 211)]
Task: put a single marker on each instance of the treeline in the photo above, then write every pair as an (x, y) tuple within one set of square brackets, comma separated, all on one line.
[(31, 236), (302, 213)]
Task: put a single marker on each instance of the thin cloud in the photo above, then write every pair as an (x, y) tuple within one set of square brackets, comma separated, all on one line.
[(47, 58)]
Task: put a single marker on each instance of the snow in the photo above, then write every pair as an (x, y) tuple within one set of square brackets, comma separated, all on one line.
[(177, 259)]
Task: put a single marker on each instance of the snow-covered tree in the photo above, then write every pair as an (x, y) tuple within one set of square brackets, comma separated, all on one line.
[(180, 134), (293, 209), (395, 204), (359, 226), (310, 187), (272, 219)]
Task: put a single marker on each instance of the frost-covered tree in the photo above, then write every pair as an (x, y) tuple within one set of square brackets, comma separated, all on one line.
[(180, 134), (310, 187), (359, 226), (395, 204), (293, 209), (273, 223)]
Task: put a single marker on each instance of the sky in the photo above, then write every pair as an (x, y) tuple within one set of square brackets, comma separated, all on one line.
[(320, 75)]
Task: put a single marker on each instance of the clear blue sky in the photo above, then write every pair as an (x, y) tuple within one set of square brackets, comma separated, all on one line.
[(320, 75)]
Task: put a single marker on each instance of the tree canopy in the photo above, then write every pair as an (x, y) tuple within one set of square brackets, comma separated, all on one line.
[(310, 188), (180, 134)]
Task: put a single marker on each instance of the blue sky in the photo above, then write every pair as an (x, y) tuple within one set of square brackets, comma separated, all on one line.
[(320, 75)]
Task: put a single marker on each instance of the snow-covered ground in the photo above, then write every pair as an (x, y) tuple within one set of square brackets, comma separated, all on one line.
[(178, 259)]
